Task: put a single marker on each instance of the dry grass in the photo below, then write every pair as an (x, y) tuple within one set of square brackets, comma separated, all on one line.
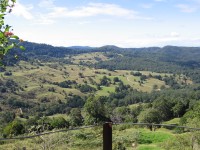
[(33, 77)]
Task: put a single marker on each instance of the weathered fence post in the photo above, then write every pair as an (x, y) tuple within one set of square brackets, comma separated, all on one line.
[(107, 136)]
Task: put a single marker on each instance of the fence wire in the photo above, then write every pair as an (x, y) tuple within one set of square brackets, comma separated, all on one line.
[(45, 133), (161, 125), (91, 126)]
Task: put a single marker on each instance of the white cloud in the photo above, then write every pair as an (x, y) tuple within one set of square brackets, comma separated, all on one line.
[(187, 8), (153, 40), (22, 10), (90, 10), (84, 22), (48, 12), (93, 9), (43, 20), (173, 38), (174, 34), (146, 42)]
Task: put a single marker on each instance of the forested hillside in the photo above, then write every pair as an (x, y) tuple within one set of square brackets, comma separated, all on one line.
[(169, 59)]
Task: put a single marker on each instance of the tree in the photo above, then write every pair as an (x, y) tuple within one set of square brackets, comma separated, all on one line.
[(81, 75), (76, 118), (105, 81), (150, 115), (143, 77), (116, 79), (95, 110), (122, 114), (75, 101), (192, 117), (136, 73), (164, 105), (85, 88), (7, 39), (179, 109), (7, 116), (14, 128)]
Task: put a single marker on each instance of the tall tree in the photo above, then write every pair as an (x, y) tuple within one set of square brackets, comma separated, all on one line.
[(149, 115), (76, 119), (95, 110)]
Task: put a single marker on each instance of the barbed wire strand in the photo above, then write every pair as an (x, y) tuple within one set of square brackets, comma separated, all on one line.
[(45, 133), (164, 125), (91, 126)]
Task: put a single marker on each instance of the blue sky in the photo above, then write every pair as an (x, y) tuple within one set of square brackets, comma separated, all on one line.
[(124, 23)]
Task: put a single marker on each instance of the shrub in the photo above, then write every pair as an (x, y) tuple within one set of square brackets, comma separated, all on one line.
[(59, 122), (13, 129)]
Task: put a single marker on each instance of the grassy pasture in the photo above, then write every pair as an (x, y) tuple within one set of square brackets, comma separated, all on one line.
[(106, 90), (91, 138), (39, 78), (89, 57)]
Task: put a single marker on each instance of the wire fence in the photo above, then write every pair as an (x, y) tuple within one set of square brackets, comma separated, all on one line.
[(160, 125), (45, 133), (98, 125)]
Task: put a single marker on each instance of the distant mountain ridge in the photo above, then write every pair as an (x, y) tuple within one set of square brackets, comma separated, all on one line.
[(185, 57), (36, 46)]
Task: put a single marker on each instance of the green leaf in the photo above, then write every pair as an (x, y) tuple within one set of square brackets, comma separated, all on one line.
[(15, 37), (1, 35), (22, 48), (8, 48), (7, 29), (1, 15)]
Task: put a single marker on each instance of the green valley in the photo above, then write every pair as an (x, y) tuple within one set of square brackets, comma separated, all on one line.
[(64, 88)]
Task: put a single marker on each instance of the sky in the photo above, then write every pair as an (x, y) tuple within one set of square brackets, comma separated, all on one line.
[(124, 23)]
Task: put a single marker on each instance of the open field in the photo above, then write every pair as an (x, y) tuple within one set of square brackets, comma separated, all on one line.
[(40, 78), (89, 57)]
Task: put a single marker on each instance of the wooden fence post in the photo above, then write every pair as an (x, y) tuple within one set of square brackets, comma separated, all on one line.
[(107, 136)]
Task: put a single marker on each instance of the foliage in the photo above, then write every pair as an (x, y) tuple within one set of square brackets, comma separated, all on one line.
[(59, 122), (119, 146), (76, 119), (7, 116), (13, 129), (66, 84), (180, 142), (66, 100), (116, 79), (123, 114), (150, 116), (192, 117), (75, 101), (85, 88), (6, 36), (165, 108), (95, 110), (105, 81)]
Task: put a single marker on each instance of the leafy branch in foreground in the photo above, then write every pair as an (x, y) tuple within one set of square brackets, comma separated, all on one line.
[(7, 38)]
